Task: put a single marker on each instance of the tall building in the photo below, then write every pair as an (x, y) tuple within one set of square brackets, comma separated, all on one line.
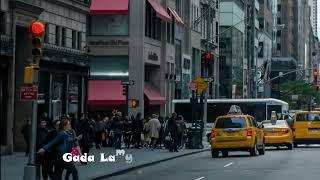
[(314, 16), (63, 67), (264, 52)]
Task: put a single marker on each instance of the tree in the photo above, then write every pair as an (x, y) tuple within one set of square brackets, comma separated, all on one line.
[(306, 94)]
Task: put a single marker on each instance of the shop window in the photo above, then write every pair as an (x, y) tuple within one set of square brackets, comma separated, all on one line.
[(109, 66), (73, 94), (112, 25)]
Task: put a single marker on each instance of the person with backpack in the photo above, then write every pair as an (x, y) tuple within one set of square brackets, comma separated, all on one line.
[(65, 142)]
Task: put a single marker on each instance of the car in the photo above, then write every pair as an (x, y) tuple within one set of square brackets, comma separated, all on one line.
[(306, 128), (236, 132), (278, 134)]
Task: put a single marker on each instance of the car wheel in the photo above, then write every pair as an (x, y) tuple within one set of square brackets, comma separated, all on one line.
[(262, 151), (290, 146), (254, 151), (295, 145), (214, 153), (225, 153)]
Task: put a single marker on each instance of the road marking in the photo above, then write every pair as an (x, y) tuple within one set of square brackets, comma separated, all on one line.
[(228, 164), (199, 178)]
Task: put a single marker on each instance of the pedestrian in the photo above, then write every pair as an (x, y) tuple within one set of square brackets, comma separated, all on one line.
[(161, 133), (173, 130), (154, 127), (181, 131), (74, 120), (137, 131), (146, 133), (117, 127), (98, 129), (41, 160), (26, 130), (104, 131), (85, 131), (52, 154), (127, 132), (65, 142)]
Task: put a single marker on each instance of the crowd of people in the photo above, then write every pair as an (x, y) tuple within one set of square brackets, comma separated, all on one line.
[(79, 134)]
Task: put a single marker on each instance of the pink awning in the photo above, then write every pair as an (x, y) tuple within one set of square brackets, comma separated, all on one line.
[(178, 19), (105, 92), (160, 11), (109, 7), (153, 95)]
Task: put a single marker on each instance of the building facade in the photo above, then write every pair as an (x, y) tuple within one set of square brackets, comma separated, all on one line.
[(63, 67)]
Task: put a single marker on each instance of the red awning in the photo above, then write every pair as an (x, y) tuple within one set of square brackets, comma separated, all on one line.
[(160, 11), (109, 7), (178, 19), (105, 92), (153, 95)]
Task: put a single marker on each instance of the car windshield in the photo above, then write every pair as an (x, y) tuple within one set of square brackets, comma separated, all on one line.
[(279, 124), (234, 122), (308, 117)]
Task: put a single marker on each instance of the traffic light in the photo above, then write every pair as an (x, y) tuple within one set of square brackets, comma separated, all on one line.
[(37, 30), (206, 57), (125, 90), (134, 103)]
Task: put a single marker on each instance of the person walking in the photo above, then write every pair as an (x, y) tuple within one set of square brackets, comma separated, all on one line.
[(137, 130), (146, 133), (173, 130), (85, 131), (117, 127), (181, 131), (65, 142), (154, 126), (127, 132), (98, 129), (25, 131), (161, 133)]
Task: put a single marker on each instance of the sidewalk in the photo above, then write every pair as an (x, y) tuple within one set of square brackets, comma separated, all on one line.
[(12, 167)]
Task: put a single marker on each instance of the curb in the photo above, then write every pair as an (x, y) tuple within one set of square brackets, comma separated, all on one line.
[(146, 164)]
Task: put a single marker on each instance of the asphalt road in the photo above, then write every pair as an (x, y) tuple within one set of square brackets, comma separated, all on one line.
[(302, 163)]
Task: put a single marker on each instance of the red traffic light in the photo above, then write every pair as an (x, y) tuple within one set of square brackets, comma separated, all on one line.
[(208, 55), (315, 74), (37, 28)]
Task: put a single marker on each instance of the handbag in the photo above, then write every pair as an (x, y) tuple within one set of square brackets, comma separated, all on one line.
[(168, 137), (142, 137), (75, 151)]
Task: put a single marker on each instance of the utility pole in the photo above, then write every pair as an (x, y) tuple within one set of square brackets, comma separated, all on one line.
[(253, 48)]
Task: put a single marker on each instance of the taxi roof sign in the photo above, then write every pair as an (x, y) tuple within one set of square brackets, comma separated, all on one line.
[(234, 109)]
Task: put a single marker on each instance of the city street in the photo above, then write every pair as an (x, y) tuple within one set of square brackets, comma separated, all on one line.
[(301, 163)]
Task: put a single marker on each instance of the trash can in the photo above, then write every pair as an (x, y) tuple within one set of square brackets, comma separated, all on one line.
[(194, 137)]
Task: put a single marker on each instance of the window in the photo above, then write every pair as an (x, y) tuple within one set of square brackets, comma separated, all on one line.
[(79, 44), (261, 23), (279, 33), (47, 32), (308, 117), (260, 53), (278, 20), (231, 123), (112, 25), (278, 46), (222, 45), (63, 37), (153, 23), (2, 23), (58, 34), (279, 7), (74, 39)]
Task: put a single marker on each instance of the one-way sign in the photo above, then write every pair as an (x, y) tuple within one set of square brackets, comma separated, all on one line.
[(209, 79)]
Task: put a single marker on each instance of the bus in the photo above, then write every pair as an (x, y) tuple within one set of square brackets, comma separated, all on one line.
[(259, 108)]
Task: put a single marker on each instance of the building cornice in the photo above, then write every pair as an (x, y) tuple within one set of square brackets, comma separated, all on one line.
[(76, 5), (23, 5)]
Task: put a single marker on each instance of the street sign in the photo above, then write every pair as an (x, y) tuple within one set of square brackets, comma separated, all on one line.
[(193, 86), (209, 79), (128, 82), (201, 85), (29, 93)]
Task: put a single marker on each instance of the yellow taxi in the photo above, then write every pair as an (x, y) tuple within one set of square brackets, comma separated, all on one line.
[(306, 127), (278, 133), (236, 132)]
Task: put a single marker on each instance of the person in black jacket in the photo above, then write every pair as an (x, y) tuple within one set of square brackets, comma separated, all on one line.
[(137, 129), (42, 133), (117, 127), (127, 132), (173, 130), (86, 133), (26, 130)]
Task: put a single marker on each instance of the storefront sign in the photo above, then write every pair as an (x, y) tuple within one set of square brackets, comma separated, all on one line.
[(109, 43), (153, 56), (29, 93)]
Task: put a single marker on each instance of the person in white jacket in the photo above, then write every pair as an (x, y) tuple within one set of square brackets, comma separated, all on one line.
[(154, 125)]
